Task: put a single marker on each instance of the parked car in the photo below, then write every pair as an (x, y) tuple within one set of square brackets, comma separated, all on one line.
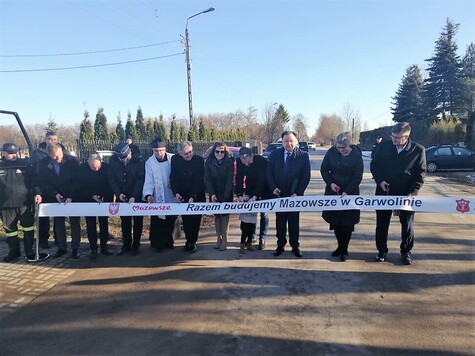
[(449, 157), (303, 145), (270, 148), (312, 146)]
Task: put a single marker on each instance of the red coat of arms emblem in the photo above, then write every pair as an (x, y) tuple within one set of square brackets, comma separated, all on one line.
[(463, 205), (114, 208)]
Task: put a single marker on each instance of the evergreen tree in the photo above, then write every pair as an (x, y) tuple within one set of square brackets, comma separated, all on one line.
[(204, 133), (174, 131), (130, 128), (408, 102), (100, 126), (468, 62), (279, 121), (119, 129), (150, 132), (443, 87), (193, 134), (183, 133), (51, 125), (140, 125), (86, 131), (161, 129)]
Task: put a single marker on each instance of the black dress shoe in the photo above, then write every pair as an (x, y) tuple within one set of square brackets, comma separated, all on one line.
[(279, 251), (60, 253), (381, 257), (193, 247), (123, 251), (187, 247), (11, 257), (106, 251), (336, 253), (93, 255), (135, 251), (75, 254), (296, 251), (343, 257), (406, 259), (170, 246)]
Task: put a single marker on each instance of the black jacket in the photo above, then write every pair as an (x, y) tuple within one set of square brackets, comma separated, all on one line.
[(127, 179), (295, 179), (16, 183), (65, 183), (94, 183), (251, 180), (347, 173), (187, 178), (219, 178), (404, 171)]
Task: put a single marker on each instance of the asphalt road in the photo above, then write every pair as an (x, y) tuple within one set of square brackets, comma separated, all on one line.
[(221, 303)]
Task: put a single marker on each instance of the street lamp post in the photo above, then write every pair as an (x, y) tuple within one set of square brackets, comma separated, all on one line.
[(188, 64)]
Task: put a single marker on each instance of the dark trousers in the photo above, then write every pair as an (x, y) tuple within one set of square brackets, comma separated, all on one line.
[(60, 231), (247, 231), (126, 225), (343, 237), (191, 227), (43, 230), (161, 231), (10, 218), (292, 219), (91, 222), (383, 219)]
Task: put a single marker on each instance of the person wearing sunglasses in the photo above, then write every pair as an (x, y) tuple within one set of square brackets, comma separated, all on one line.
[(219, 172), (398, 168)]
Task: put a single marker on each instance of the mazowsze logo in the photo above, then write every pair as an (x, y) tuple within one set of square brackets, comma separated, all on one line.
[(463, 205), (114, 208)]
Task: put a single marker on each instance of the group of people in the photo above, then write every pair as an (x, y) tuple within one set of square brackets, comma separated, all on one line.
[(398, 167)]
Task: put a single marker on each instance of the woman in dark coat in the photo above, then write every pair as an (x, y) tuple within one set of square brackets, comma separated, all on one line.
[(342, 171), (219, 172)]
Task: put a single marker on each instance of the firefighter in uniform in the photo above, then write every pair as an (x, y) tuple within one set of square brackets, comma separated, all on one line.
[(16, 201)]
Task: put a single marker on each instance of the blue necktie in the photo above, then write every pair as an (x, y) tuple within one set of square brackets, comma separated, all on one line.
[(287, 155)]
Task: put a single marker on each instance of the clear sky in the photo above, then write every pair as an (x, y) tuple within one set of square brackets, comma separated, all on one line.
[(311, 56)]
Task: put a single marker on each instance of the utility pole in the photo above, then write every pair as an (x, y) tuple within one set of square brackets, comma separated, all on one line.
[(188, 63)]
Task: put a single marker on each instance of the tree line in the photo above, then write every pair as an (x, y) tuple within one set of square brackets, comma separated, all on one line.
[(442, 103)]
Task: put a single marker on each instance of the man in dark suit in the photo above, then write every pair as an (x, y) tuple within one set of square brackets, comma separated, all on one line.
[(126, 174), (187, 183), (93, 184), (57, 184), (398, 168), (288, 175)]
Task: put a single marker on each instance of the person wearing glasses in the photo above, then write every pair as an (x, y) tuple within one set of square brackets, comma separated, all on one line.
[(157, 189), (187, 182), (126, 177), (398, 168), (342, 171), (219, 172)]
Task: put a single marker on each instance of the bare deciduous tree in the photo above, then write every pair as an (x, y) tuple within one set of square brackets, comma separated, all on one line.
[(352, 120), (300, 126), (328, 127)]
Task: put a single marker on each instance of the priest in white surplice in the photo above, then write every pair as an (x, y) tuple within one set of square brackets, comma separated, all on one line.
[(156, 189)]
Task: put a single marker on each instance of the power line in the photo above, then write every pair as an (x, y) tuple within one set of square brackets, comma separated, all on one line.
[(89, 52), (89, 66)]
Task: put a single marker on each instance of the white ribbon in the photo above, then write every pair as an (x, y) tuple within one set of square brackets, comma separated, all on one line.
[(460, 205)]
